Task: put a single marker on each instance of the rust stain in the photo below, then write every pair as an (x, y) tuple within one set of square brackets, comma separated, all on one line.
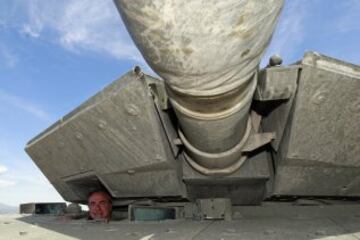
[(248, 33), (187, 51), (246, 52), (241, 20), (241, 34)]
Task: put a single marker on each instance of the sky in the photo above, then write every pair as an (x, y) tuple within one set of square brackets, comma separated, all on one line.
[(54, 55)]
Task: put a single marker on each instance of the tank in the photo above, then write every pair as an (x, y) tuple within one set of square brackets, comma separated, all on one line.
[(212, 131)]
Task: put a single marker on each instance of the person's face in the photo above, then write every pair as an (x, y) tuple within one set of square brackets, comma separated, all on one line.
[(100, 206)]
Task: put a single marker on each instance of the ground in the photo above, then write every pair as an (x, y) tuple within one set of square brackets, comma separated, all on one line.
[(270, 221)]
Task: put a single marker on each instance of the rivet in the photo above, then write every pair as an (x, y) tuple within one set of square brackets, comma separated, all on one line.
[(170, 230), (287, 90), (355, 107), (78, 135), (319, 97), (158, 157), (61, 144), (269, 232), (102, 124), (320, 233), (132, 110)]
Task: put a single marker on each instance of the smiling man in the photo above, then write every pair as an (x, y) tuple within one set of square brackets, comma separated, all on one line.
[(100, 206)]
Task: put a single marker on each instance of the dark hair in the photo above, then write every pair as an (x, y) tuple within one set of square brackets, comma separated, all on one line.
[(100, 191)]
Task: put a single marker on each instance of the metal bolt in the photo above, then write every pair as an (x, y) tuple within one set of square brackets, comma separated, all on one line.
[(22, 233), (170, 230), (231, 230), (158, 157), (177, 142), (137, 70), (275, 60), (269, 232)]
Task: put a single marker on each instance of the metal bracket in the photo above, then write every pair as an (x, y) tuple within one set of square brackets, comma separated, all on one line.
[(209, 209), (276, 83)]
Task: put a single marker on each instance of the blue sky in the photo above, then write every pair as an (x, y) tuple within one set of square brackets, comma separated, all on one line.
[(56, 54)]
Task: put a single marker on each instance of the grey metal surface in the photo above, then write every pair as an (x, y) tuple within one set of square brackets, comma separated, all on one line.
[(246, 186), (114, 140), (320, 153), (277, 120), (271, 221), (277, 83), (166, 115), (215, 208), (276, 92), (123, 139)]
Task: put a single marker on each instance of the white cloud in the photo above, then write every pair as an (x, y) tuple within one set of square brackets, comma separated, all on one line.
[(29, 30), (82, 25), (24, 105), (26, 186), (8, 57), (6, 184), (23, 182), (3, 169)]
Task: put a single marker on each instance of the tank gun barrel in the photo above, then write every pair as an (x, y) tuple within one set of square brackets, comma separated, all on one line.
[(208, 53)]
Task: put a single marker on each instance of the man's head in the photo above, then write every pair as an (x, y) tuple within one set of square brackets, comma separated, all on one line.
[(100, 205)]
